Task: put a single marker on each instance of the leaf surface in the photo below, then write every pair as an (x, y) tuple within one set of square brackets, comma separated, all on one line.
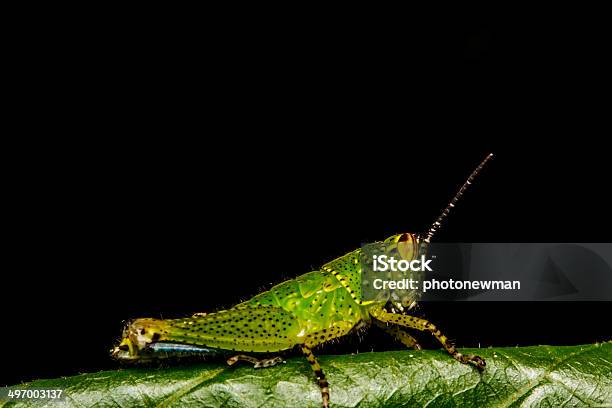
[(539, 376)]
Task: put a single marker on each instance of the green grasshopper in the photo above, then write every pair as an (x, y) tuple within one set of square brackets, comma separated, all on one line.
[(304, 312)]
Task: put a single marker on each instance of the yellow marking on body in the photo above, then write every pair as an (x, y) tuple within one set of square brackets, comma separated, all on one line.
[(343, 282)]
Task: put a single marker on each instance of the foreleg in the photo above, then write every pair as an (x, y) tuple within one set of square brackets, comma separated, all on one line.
[(412, 322)]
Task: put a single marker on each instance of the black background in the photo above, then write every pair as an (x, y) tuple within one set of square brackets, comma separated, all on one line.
[(204, 171)]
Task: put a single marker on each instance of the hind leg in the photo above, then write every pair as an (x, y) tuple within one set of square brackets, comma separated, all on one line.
[(257, 363), (403, 337)]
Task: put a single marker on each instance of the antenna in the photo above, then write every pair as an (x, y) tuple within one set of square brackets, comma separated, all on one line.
[(434, 227)]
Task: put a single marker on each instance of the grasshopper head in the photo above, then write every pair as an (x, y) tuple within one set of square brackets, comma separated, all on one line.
[(405, 247), (137, 334)]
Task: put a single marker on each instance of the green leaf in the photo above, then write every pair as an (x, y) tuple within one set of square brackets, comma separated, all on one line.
[(546, 376)]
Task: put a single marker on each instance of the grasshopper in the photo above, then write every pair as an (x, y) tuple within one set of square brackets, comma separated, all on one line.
[(304, 312)]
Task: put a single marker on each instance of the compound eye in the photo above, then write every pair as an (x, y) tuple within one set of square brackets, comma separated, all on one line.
[(404, 238), (405, 246)]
